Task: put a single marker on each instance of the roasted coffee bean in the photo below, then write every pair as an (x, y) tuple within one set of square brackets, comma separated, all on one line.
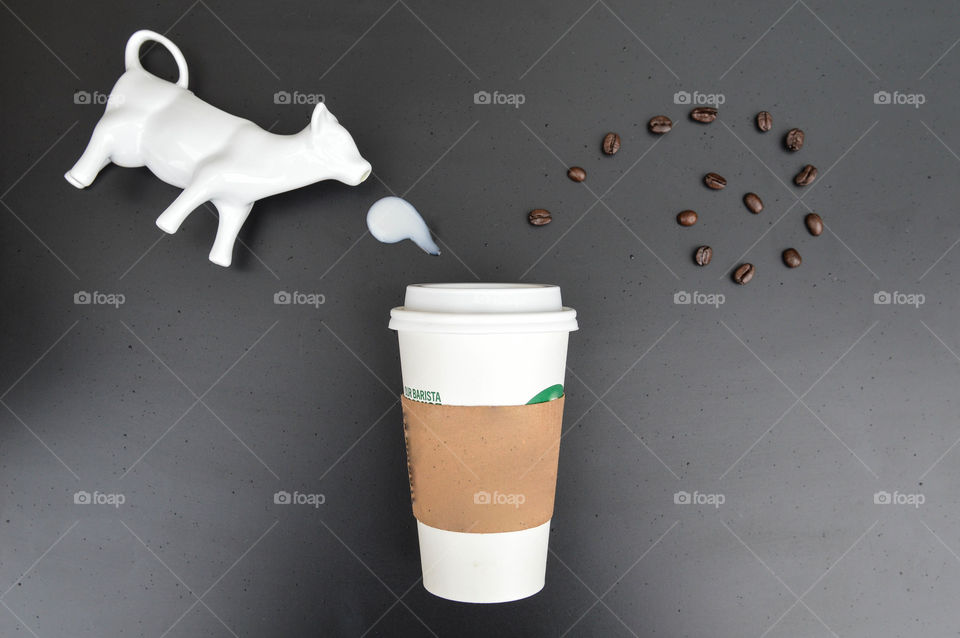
[(660, 124), (703, 256), (687, 218), (806, 175), (764, 121), (814, 224), (791, 258), (540, 217), (744, 273), (714, 181), (794, 139), (704, 114), (611, 143), (753, 202), (576, 173)]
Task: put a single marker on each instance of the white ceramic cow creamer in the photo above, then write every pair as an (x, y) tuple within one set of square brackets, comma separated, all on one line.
[(212, 155)]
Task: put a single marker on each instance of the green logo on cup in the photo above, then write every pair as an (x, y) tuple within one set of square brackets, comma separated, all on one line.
[(423, 396), (547, 394)]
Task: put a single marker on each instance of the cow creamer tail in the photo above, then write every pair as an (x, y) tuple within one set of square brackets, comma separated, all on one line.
[(132, 53)]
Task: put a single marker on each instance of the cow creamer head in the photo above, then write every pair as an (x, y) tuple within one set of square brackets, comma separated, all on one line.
[(335, 150)]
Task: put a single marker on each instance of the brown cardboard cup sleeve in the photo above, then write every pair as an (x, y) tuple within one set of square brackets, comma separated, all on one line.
[(482, 469)]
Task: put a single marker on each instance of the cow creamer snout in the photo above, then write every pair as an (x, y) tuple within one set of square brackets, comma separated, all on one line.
[(360, 173), (212, 155)]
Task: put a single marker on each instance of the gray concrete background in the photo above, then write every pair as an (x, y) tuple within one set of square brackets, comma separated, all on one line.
[(798, 399)]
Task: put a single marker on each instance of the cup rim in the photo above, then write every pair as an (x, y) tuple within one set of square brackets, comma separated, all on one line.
[(473, 286), (403, 319)]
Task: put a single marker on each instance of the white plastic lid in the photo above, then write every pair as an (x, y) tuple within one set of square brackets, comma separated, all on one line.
[(483, 308)]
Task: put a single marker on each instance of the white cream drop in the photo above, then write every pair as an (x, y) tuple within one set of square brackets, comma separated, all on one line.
[(392, 219)]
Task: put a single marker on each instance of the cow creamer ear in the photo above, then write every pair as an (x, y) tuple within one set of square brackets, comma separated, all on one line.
[(321, 116)]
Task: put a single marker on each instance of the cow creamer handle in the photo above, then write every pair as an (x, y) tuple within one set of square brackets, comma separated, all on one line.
[(212, 155), (132, 53)]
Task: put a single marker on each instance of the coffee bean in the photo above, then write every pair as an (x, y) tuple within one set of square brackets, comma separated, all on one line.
[(744, 273), (611, 143), (806, 175), (794, 139), (814, 224), (576, 173), (714, 181), (753, 202), (540, 217), (660, 124), (764, 121), (704, 114), (703, 256), (791, 258), (687, 218)]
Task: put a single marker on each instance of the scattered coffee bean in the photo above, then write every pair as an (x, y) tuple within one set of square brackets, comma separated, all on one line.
[(704, 114), (744, 273), (791, 258), (576, 173), (806, 175), (764, 121), (714, 181), (687, 218), (660, 124), (540, 217), (814, 224), (794, 139), (753, 202), (611, 143), (703, 256)]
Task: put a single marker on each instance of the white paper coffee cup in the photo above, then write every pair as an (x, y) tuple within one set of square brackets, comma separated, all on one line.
[(482, 344)]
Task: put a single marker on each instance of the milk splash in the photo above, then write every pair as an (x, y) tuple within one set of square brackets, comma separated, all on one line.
[(392, 219)]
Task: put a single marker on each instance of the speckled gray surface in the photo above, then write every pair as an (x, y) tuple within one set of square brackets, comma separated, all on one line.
[(798, 401)]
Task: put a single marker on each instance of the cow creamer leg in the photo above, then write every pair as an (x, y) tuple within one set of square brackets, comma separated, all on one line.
[(170, 220), (96, 155), (232, 217)]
